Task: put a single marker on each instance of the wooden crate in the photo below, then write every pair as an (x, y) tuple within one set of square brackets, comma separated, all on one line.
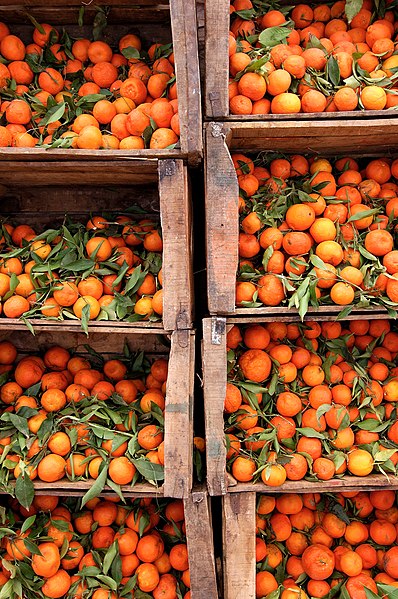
[(199, 537), (216, 97), (179, 395), (43, 194), (365, 138), (171, 21), (214, 360)]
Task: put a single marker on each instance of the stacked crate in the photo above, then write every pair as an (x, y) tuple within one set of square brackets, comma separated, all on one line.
[(40, 187)]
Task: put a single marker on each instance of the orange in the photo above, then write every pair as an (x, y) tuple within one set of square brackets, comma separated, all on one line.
[(51, 468), (47, 563), (360, 462)]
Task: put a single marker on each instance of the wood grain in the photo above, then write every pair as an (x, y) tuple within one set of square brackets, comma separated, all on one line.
[(239, 546), (372, 482), (178, 447), (214, 359), (216, 58), (222, 221), (326, 137), (185, 46), (199, 534), (176, 219)]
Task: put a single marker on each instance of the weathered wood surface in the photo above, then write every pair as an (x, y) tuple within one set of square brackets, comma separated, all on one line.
[(78, 488), (324, 137), (239, 546), (372, 482), (176, 220), (199, 533), (214, 360), (222, 221), (185, 47), (178, 448), (216, 58)]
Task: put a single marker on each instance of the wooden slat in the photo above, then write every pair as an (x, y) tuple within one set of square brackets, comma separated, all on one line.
[(199, 535), (175, 208), (185, 46), (216, 58), (179, 415), (78, 488), (239, 546), (317, 116), (222, 222), (214, 360), (325, 137), (324, 313), (372, 482), (53, 326)]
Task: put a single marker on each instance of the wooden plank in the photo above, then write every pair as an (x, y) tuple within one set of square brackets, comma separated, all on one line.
[(323, 313), (175, 210), (115, 327), (326, 137), (214, 359), (217, 18), (239, 546), (179, 415), (149, 341), (222, 222), (185, 47), (372, 482), (199, 535), (78, 488), (302, 116)]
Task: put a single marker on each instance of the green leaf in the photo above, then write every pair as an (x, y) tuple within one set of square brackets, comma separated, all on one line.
[(130, 52), (151, 472), (384, 455), (333, 71), (273, 35), (80, 265), (81, 16), (86, 317), (392, 592), (24, 491), (97, 487), (371, 595), (363, 214), (54, 114), (27, 524), (109, 557), (311, 433), (352, 8), (110, 583)]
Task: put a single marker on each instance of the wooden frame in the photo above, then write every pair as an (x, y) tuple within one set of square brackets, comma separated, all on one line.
[(199, 535), (216, 96), (179, 395), (222, 190), (171, 20), (214, 359), (159, 186)]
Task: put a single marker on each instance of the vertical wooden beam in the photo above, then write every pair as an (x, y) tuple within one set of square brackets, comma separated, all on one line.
[(222, 221), (185, 46), (176, 220), (179, 415), (216, 58), (214, 358), (239, 545), (199, 532)]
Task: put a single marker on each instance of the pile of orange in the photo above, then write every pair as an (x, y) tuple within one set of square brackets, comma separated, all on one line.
[(313, 400), (82, 417), (312, 57), (309, 544), (109, 269), (102, 550), (316, 231), (62, 92)]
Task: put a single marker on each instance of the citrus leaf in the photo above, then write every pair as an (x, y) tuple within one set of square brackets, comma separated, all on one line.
[(352, 8), (273, 35), (24, 491), (97, 487)]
